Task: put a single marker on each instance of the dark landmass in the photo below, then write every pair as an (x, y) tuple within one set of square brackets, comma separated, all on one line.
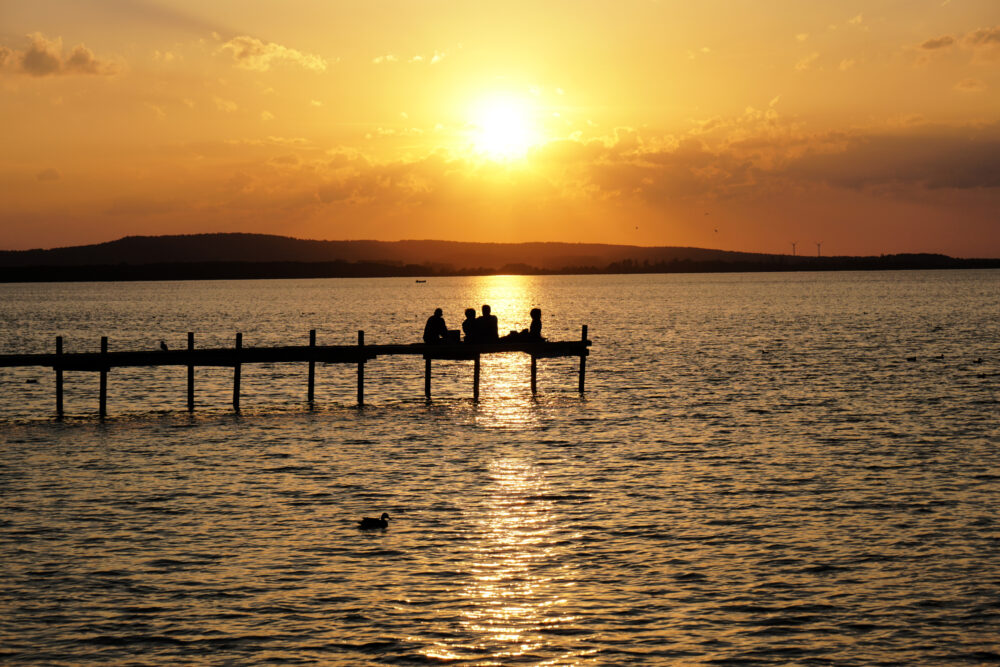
[(248, 256)]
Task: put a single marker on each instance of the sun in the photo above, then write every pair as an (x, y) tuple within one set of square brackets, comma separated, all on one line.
[(503, 127)]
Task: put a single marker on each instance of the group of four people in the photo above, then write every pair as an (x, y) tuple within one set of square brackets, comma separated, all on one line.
[(482, 329)]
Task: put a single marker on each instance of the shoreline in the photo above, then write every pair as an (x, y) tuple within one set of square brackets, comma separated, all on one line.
[(173, 271)]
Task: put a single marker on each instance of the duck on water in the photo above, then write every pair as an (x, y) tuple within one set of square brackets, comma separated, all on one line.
[(372, 522)]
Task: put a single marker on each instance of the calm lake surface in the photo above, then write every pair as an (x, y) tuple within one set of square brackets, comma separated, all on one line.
[(757, 474)]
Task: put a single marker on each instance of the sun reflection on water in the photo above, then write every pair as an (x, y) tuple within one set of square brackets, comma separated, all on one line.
[(517, 572), (506, 378)]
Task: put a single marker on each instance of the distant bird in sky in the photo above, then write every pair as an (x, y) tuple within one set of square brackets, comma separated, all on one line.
[(371, 522), (163, 346)]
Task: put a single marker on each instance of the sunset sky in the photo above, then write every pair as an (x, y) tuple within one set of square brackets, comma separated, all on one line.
[(871, 127)]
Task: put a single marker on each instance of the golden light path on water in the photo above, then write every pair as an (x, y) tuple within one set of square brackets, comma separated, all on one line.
[(518, 578), (517, 574), (506, 404)]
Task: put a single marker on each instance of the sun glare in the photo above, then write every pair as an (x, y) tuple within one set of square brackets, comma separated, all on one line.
[(504, 128)]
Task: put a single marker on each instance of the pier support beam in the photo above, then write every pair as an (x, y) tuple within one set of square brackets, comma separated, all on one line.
[(583, 360), (361, 370), (59, 378), (236, 373), (534, 375), (311, 392), (103, 406), (427, 378), (190, 372), (475, 380)]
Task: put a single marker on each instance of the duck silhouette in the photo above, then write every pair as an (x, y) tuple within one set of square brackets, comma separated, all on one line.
[(163, 346), (371, 522)]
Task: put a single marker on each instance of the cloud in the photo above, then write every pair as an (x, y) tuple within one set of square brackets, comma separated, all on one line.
[(434, 59), (254, 54), (44, 57), (227, 106), (943, 42), (761, 156), (931, 159), (970, 86), (989, 37), (807, 62)]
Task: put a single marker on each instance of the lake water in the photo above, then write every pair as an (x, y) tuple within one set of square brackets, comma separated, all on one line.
[(757, 474)]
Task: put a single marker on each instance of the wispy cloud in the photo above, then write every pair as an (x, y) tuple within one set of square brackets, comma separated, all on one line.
[(970, 86), (942, 42), (228, 106), (44, 57), (807, 62), (254, 54), (419, 58), (984, 37)]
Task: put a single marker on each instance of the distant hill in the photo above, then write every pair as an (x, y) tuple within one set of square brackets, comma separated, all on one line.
[(240, 256), (455, 255)]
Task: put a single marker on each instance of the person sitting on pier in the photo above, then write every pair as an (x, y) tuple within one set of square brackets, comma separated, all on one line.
[(469, 326), (487, 330), (532, 334), (534, 331), (435, 331)]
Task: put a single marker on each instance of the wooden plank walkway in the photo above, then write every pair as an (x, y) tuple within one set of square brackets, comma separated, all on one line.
[(102, 362)]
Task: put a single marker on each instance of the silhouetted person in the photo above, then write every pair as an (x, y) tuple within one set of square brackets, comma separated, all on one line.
[(535, 328), (532, 334), (469, 326), (487, 330), (163, 346), (435, 331)]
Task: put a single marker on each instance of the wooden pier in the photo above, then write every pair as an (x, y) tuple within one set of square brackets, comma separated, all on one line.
[(102, 362)]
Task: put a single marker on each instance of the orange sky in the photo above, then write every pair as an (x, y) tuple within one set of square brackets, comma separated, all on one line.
[(870, 126)]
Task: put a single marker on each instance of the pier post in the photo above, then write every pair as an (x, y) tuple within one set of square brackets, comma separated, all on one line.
[(190, 371), (103, 407), (583, 359), (534, 375), (361, 369), (475, 380), (236, 373), (310, 394), (59, 378), (427, 378)]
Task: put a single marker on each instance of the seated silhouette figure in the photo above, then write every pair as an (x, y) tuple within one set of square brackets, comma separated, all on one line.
[(534, 331), (469, 326), (435, 331), (487, 330), (532, 334)]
